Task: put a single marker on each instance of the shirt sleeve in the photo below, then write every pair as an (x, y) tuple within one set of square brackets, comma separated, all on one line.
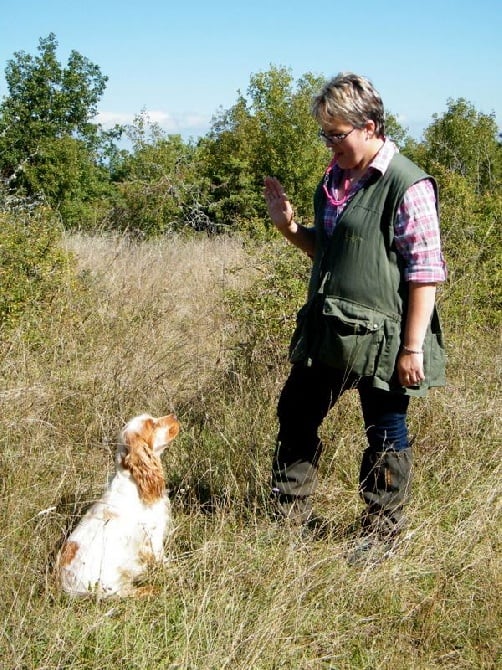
[(417, 237)]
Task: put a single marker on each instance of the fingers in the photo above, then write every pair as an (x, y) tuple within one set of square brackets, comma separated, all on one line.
[(273, 188), (410, 378), (409, 373), (278, 205)]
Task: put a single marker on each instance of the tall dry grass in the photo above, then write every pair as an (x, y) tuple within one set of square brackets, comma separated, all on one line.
[(149, 329)]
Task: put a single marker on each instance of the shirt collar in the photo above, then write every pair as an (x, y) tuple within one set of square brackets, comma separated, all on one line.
[(383, 158)]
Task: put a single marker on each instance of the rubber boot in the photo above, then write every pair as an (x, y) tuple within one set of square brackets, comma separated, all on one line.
[(384, 485), (293, 485)]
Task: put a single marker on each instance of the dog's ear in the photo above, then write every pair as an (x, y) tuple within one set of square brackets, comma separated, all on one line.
[(144, 466), (169, 427)]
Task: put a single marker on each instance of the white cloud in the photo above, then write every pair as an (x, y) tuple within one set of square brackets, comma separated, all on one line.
[(109, 119), (189, 123)]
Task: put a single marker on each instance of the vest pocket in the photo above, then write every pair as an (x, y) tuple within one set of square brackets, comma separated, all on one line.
[(389, 351), (347, 336), (350, 336)]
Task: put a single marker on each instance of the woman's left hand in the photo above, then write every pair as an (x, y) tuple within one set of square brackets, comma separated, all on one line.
[(410, 369)]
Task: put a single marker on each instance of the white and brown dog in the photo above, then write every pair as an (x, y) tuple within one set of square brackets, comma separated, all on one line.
[(124, 531)]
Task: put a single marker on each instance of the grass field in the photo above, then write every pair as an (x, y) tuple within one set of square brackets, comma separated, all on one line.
[(150, 327)]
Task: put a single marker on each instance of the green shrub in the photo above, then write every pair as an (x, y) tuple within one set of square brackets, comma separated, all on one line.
[(470, 230), (266, 310), (33, 264)]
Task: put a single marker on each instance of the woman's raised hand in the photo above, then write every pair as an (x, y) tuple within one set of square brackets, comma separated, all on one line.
[(278, 205)]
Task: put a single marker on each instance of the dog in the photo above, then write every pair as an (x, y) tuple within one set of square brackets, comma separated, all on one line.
[(124, 531)]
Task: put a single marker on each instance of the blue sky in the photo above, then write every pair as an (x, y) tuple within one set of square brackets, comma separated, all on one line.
[(182, 61)]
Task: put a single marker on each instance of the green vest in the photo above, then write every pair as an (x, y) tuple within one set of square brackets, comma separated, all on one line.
[(357, 298)]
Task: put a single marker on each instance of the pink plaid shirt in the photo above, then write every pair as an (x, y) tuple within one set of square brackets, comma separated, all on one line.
[(416, 229)]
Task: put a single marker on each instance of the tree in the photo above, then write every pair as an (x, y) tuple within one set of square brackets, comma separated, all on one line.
[(48, 109), (226, 161), (464, 141), (461, 150), (158, 187), (289, 146), (268, 131), (395, 131)]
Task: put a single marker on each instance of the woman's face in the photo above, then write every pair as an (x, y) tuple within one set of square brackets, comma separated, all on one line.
[(351, 151)]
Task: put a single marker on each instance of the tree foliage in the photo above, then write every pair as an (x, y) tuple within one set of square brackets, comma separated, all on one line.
[(470, 231), (464, 141), (50, 147), (269, 131), (48, 142), (158, 188), (33, 265)]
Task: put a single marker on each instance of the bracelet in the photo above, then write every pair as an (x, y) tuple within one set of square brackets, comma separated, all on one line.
[(411, 351)]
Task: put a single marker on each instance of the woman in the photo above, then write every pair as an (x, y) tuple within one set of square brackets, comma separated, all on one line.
[(370, 321)]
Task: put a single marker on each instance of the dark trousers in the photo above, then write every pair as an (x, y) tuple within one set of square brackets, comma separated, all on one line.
[(308, 395)]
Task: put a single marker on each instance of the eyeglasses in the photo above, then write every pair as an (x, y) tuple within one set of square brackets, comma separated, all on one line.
[(335, 138)]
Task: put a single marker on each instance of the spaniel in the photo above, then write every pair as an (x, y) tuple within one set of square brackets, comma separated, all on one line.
[(124, 531)]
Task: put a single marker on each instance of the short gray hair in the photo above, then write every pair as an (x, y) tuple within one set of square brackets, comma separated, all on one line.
[(351, 98)]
